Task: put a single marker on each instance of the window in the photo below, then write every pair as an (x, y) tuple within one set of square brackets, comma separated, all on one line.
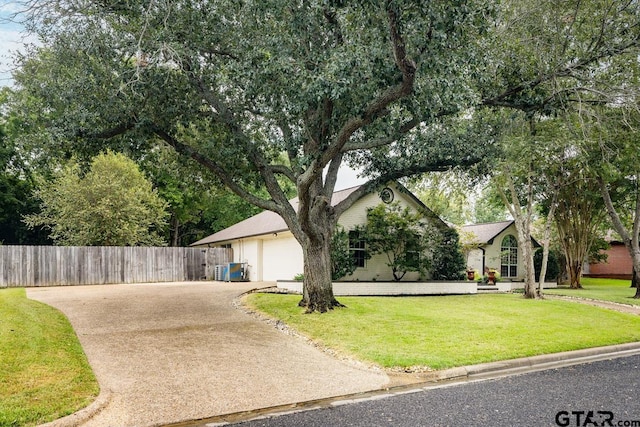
[(412, 255), (509, 257), (357, 247)]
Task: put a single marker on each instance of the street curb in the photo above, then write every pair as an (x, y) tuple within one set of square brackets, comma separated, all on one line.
[(431, 380), (545, 361), (84, 414)]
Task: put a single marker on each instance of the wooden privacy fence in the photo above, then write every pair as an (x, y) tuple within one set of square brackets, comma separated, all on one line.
[(92, 265)]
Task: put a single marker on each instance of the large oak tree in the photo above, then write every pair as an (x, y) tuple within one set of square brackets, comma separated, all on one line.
[(388, 86), (234, 84)]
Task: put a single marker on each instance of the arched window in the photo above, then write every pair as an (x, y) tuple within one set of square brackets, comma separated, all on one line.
[(509, 257)]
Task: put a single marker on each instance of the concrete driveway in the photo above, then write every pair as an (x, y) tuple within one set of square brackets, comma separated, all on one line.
[(165, 353)]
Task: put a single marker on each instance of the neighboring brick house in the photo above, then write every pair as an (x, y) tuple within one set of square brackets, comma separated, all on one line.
[(618, 265), (271, 253)]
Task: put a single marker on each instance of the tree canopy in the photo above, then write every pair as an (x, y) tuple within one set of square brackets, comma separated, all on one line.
[(394, 87), (16, 185), (234, 85), (113, 204)]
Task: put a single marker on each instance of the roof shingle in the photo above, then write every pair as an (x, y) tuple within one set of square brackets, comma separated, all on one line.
[(266, 222), (485, 233)]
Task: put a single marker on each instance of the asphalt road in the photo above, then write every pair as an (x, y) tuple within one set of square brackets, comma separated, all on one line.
[(605, 393)]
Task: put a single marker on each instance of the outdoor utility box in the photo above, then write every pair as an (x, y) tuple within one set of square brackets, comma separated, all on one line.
[(221, 272), (231, 272), (234, 272)]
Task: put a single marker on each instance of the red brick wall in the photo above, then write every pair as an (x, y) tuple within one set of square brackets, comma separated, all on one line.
[(618, 264)]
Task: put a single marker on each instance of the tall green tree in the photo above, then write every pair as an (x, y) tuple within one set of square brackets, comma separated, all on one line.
[(552, 55), (113, 204), (516, 178), (389, 86), (579, 215), (197, 203), (615, 133), (234, 85), (16, 184)]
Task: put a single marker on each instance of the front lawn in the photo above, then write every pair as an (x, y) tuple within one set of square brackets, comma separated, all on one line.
[(444, 332), (44, 374), (613, 290)]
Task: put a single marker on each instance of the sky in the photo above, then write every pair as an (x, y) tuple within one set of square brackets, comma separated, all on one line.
[(12, 38), (348, 178)]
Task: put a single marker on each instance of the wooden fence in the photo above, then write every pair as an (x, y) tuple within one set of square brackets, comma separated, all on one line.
[(92, 265)]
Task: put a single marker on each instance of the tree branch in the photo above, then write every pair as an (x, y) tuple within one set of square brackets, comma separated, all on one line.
[(381, 142), (611, 210), (218, 170), (377, 108), (283, 170), (503, 99)]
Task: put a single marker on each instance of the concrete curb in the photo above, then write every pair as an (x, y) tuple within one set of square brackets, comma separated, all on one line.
[(431, 380), (83, 415), (545, 361)]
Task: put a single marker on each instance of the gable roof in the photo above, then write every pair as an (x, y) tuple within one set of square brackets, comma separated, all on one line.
[(266, 222), (485, 233)]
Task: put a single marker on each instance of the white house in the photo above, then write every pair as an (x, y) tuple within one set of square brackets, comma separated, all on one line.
[(271, 253), (496, 247)]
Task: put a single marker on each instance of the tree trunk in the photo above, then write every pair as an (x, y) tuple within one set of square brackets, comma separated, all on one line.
[(574, 271), (546, 239), (636, 268), (175, 230), (522, 220), (631, 240), (634, 279), (529, 270), (318, 286)]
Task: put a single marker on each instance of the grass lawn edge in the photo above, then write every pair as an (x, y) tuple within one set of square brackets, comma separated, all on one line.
[(44, 370), (289, 324)]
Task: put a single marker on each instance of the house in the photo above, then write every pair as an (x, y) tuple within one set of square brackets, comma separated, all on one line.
[(271, 253), (619, 264), (494, 245)]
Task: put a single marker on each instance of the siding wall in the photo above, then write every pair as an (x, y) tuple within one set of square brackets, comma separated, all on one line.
[(376, 267), (250, 252), (91, 265)]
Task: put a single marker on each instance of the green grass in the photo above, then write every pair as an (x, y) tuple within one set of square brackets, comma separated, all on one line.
[(444, 332), (44, 373), (613, 290)]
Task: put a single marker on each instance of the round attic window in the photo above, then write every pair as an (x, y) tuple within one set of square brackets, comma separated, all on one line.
[(386, 195)]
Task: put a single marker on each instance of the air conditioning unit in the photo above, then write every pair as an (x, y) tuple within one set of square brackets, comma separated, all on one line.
[(235, 272), (220, 272)]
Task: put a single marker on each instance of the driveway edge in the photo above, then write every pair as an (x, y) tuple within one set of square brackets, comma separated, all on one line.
[(84, 414)]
